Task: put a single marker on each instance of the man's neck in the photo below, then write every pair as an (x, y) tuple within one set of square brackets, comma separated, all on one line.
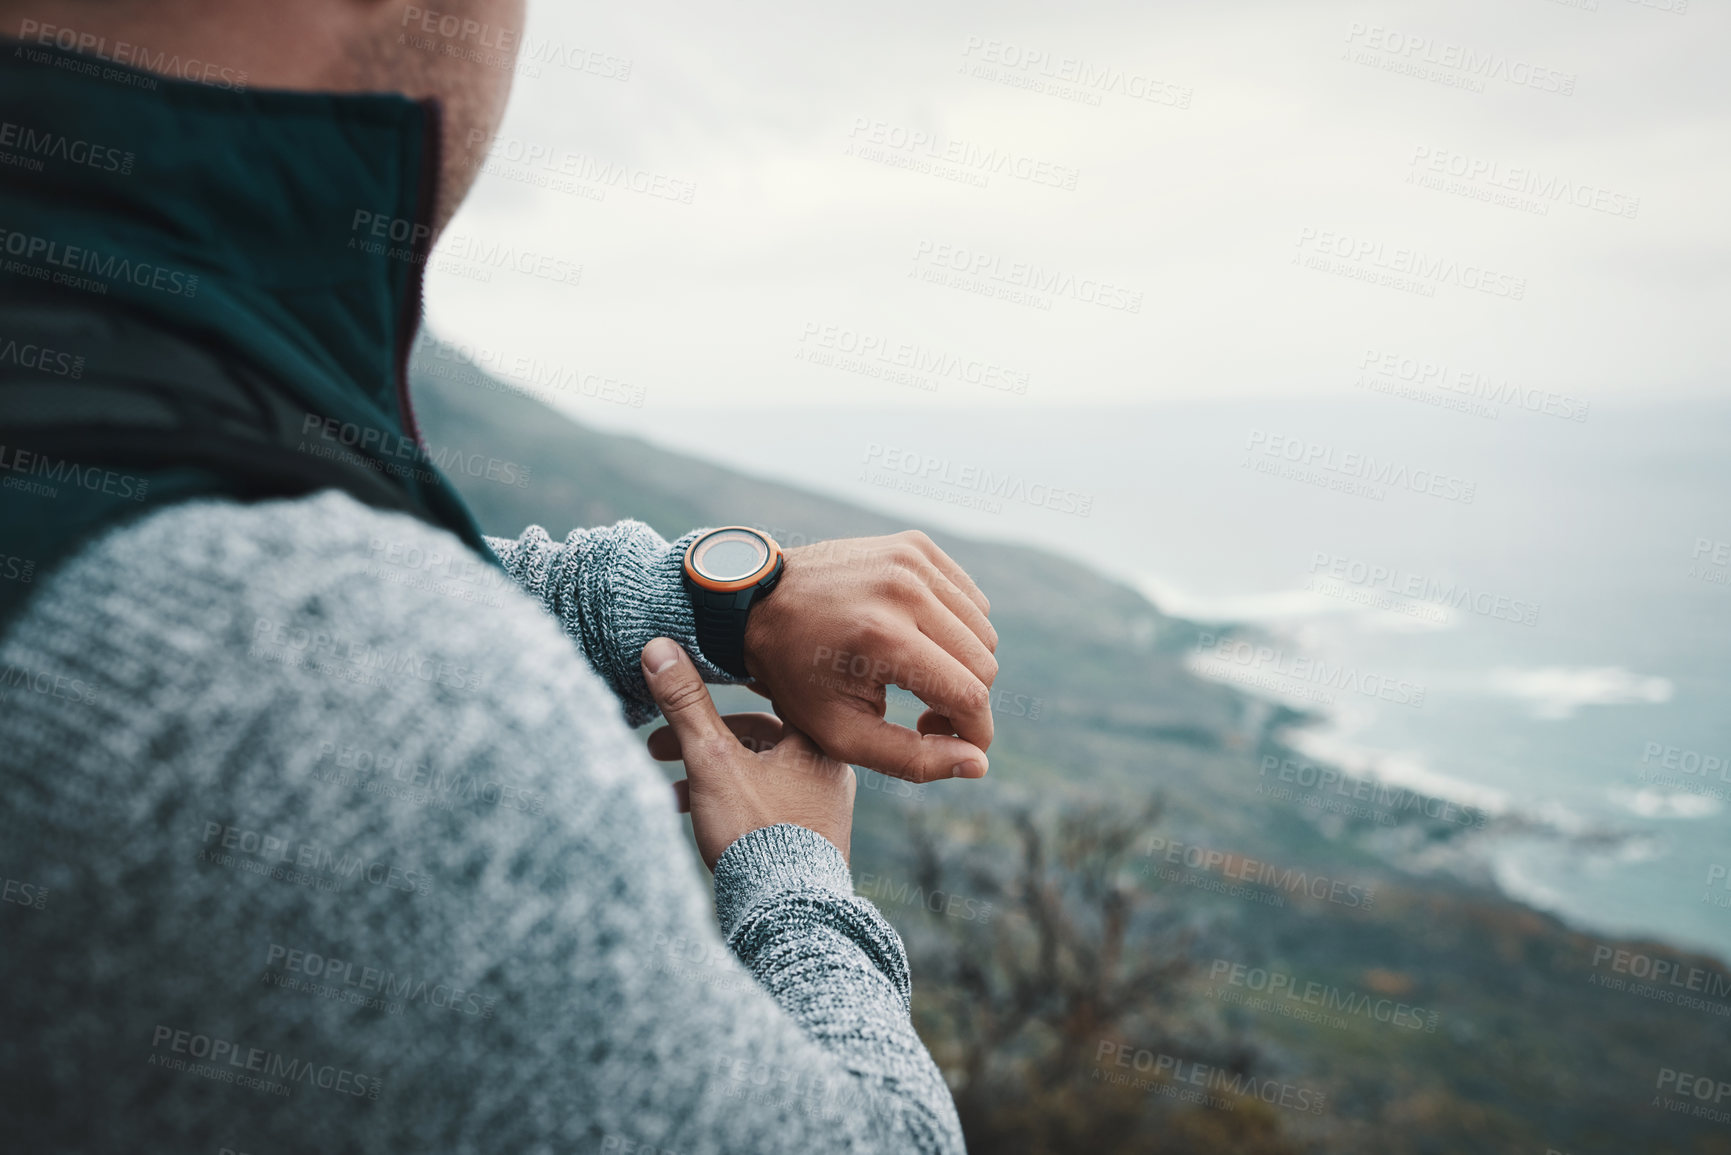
[(293, 46)]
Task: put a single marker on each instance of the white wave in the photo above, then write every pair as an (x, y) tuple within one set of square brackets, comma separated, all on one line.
[(1374, 613), (1330, 745), (1523, 885), (1556, 692), (1651, 803), (1280, 605)]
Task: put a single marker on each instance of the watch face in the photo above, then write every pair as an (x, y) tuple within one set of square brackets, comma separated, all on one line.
[(729, 555)]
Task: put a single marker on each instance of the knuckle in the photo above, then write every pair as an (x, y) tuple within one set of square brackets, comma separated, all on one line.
[(910, 767), (713, 749), (682, 696), (876, 631), (847, 749), (973, 697), (907, 554), (902, 585)]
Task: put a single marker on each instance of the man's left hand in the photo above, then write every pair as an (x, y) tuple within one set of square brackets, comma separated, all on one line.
[(852, 617)]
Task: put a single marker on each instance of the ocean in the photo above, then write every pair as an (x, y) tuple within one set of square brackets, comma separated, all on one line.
[(1520, 602)]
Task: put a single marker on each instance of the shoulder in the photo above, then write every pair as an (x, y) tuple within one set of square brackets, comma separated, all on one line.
[(317, 622)]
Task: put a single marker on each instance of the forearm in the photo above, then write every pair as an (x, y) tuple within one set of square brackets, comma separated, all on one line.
[(838, 969), (612, 588)]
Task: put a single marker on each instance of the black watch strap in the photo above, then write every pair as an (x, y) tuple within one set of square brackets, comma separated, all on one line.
[(721, 619)]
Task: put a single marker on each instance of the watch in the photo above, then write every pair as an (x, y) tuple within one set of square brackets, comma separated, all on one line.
[(726, 571)]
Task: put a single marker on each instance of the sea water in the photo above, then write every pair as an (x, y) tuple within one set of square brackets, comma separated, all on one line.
[(1552, 582)]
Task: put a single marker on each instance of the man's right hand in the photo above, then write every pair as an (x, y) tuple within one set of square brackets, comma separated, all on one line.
[(745, 771)]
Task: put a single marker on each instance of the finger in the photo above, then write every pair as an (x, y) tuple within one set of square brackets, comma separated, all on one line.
[(937, 622), (931, 674), (869, 741), (950, 569), (957, 601), (682, 796), (755, 731), (685, 702), (756, 687)]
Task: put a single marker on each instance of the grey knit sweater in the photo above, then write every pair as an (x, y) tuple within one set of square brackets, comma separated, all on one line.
[(317, 838)]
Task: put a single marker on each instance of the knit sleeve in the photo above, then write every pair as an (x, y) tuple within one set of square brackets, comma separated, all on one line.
[(613, 588), (328, 863)]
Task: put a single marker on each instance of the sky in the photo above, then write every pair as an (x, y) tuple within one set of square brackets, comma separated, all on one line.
[(1134, 254), (1009, 204)]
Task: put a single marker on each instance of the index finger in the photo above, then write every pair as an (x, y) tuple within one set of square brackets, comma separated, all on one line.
[(867, 740), (755, 731), (934, 676)]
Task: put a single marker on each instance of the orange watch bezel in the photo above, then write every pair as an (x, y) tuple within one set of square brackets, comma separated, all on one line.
[(746, 582)]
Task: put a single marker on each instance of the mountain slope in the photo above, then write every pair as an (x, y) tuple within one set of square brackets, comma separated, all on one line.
[(1539, 1041)]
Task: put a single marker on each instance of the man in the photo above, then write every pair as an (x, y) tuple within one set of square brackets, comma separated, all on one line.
[(297, 858)]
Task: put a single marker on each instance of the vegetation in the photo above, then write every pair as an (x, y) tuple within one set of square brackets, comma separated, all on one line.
[(1127, 857)]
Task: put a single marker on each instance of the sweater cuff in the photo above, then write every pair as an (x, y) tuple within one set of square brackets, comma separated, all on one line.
[(652, 586), (771, 861)]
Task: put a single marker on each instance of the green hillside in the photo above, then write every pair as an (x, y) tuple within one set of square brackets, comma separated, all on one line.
[(1129, 864)]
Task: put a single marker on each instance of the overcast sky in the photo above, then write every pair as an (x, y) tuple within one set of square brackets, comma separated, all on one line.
[(1198, 159)]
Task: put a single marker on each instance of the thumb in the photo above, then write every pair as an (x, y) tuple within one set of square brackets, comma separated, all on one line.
[(684, 700)]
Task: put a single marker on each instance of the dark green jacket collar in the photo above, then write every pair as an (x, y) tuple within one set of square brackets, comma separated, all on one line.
[(281, 235), (289, 228)]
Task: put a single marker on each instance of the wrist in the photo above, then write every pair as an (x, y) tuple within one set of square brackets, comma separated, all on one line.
[(726, 573)]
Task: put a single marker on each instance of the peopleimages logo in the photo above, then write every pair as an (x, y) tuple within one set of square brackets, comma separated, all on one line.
[(1348, 470), (1455, 595), (1686, 760), (1170, 1075), (375, 443), (41, 359), (466, 249), (934, 261), (1471, 384), (928, 470), (925, 363), (1242, 868), (1701, 1096), (17, 569), (336, 654), (30, 472), (1311, 1001), (472, 40), (1661, 972), (1312, 671), (229, 1061), (1390, 799), (1068, 77), (1427, 58), (543, 161), (913, 148), (132, 55), (66, 262), (287, 966), (1404, 267), (882, 890), (35, 145), (1521, 180)]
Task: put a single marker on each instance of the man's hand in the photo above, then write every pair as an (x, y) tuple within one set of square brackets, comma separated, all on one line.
[(745, 771), (851, 617)]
